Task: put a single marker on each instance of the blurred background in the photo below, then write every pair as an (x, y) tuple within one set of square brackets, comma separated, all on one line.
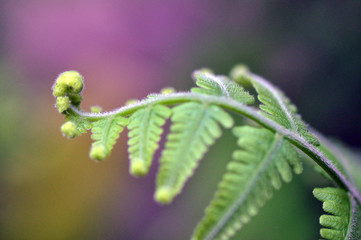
[(50, 189)]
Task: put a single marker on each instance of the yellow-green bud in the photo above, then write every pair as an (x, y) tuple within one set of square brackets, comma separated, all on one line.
[(59, 90), (75, 98), (163, 195), (95, 109), (62, 103), (167, 90), (206, 70), (138, 167), (131, 101), (69, 129), (97, 152), (71, 80), (240, 74)]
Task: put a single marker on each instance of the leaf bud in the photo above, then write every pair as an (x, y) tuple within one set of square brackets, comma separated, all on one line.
[(240, 74), (206, 70), (95, 109), (59, 90), (138, 167), (130, 102), (62, 103), (69, 129), (97, 152), (163, 195), (167, 90), (71, 80)]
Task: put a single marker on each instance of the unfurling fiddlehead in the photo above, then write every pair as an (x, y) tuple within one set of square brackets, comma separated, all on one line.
[(267, 154)]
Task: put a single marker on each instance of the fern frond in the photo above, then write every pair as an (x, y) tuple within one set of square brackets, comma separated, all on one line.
[(220, 86), (265, 159), (105, 133), (276, 106), (266, 156), (343, 223), (145, 129), (195, 127)]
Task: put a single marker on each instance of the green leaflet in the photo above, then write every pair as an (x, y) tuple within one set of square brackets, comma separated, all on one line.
[(195, 127), (145, 129), (220, 86), (81, 123), (264, 159), (344, 221), (105, 133), (275, 105)]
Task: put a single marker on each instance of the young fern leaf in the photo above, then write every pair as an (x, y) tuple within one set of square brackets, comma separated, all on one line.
[(195, 127), (220, 86), (145, 129), (344, 221), (275, 105), (105, 132), (264, 159)]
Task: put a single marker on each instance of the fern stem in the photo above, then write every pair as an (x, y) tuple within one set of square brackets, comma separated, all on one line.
[(338, 154), (242, 109), (353, 229)]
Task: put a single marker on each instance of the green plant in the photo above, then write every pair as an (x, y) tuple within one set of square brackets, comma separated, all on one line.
[(270, 148)]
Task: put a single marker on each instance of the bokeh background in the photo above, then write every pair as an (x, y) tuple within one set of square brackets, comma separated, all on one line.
[(49, 189)]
